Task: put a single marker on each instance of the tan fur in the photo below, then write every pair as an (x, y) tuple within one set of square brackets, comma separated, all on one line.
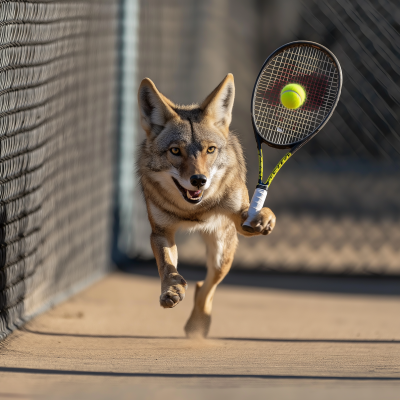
[(195, 130)]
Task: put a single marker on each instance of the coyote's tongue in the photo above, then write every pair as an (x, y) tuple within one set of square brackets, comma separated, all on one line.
[(193, 194)]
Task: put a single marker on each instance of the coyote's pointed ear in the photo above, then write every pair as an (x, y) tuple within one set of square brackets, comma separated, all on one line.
[(218, 105), (155, 109)]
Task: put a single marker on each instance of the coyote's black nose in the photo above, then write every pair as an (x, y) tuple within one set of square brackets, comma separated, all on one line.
[(198, 180)]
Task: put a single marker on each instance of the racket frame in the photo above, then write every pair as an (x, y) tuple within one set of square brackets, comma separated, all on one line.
[(297, 145)]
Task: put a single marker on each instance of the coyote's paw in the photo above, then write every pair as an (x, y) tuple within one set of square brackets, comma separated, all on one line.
[(173, 290), (198, 326), (263, 223)]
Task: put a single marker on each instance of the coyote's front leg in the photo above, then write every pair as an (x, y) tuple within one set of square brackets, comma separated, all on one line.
[(173, 286)]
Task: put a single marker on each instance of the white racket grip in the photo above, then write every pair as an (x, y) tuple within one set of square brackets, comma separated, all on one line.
[(257, 203)]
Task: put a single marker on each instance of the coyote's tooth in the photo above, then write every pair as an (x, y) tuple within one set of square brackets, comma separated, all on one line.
[(188, 194)]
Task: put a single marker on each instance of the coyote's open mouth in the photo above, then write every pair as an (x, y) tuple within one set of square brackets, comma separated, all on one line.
[(191, 196)]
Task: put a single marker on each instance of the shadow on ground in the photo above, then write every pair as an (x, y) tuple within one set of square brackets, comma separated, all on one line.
[(174, 375), (329, 283), (238, 339)]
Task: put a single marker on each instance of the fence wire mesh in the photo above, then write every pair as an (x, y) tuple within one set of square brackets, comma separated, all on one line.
[(336, 201), (57, 134)]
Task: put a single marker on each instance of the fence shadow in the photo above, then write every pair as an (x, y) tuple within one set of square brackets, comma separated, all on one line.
[(234, 339), (328, 283), (41, 371)]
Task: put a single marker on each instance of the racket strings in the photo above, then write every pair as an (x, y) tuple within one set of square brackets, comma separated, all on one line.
[(309, 67), (290, 120)]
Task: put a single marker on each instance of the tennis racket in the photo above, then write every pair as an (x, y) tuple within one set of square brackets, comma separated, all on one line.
[(318, 71)]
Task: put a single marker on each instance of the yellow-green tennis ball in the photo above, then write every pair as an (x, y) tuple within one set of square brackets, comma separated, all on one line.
[(293, 96)]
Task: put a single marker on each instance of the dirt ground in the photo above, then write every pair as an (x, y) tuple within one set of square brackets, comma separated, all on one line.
[(284, 337)]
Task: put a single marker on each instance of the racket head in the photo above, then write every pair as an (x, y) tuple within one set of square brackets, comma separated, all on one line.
[(312, 66)]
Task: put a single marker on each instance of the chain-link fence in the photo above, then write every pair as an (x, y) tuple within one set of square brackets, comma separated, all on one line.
[(57, 140), (337, 201)]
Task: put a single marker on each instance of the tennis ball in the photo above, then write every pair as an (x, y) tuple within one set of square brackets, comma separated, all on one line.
[(293, 96)]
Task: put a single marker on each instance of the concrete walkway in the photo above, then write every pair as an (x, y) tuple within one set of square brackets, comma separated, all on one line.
[(271, 336)]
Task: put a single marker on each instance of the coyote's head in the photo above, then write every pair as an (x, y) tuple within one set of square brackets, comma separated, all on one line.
[(187, 146)]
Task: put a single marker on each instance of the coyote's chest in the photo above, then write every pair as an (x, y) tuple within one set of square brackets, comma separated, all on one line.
[(206, 222)]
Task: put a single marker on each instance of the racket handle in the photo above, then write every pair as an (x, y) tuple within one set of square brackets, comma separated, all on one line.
[(257, 203)]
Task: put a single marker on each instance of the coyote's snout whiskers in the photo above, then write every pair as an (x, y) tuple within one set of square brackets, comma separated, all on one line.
[(193, 174)]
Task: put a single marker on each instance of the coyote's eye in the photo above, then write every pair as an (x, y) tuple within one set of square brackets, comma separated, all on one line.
[(211, 149), (175, 151)]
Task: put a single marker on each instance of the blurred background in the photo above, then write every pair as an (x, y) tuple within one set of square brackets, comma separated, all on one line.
[(337, 202), (69, 134)]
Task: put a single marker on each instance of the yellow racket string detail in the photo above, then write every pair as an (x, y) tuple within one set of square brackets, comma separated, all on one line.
[(277, 168), (260, 165)]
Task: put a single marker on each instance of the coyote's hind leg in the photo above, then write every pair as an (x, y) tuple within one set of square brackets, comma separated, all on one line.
[(221, 246)]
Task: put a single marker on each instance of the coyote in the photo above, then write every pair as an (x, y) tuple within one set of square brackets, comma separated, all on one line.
[(193, 175)]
